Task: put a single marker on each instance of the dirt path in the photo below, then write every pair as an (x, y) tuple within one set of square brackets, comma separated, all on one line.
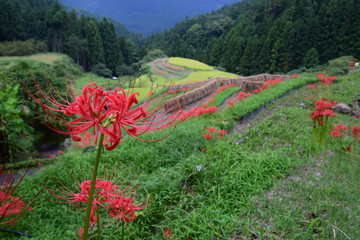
[(160, 67)]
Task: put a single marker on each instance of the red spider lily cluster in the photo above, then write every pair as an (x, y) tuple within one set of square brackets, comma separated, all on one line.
[(108, 112), (268, 84), (196, 112), (352, 64), (243, 95), (338, 131), (240, 96), (322, 111), (231, 103), (10, 206), (355, 132), (312, 86), (294, 75), (213, 132), (220, 89), (326, 80), (118, 203)]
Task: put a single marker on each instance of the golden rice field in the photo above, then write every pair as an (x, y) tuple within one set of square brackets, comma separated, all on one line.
[(190, 63)]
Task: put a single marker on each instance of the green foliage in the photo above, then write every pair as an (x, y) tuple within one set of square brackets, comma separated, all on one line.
[(101, 70), (15, 135), (338, 66), (152, 55), (311, 58), (22, 48), (123, 69)]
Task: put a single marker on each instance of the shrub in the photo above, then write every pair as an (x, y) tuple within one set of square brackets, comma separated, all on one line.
[(101, 70), (338, 66), (22, 48), (124, 69), (15, 134)]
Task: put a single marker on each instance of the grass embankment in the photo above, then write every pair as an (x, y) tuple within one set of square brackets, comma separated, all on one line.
[(213, 194)]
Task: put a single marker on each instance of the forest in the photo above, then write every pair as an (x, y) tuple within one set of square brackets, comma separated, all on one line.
[(247, 37), (89, 42)]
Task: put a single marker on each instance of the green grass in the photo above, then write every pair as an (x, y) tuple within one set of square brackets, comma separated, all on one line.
[(236, 191), (190, 63)]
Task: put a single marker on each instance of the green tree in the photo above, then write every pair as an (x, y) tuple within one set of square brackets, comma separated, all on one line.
[(95, 52), (311, 58), (10, 21), (112, 52), (15, 134)]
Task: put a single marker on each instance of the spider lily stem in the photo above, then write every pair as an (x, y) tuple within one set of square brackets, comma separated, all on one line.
[(92, 187)]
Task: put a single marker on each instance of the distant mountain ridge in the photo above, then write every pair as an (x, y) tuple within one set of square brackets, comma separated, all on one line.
[(120, 29), (146, 16)]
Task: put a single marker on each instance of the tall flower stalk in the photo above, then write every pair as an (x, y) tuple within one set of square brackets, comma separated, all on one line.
[(110, 115), (321, 122)]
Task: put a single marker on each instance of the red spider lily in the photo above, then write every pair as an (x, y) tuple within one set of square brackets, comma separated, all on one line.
[(355, 131), (213, 95), (208, 136), (10, 205), (212, 130), (294, 75), (110, 113), (312, 86), (270, 83), (231, 103), (260, 89), (326, 80), (335, 134), (118, 202), (221, 133), (123, 209), (241, 96), (358, 117), (323, 111), (196, 111), (340, 128), (167, 233)]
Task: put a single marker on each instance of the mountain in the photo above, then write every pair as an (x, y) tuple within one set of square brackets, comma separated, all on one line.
[(146, 16), (120, 29)]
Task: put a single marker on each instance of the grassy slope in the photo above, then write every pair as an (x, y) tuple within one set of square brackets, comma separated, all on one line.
[(241, 190)]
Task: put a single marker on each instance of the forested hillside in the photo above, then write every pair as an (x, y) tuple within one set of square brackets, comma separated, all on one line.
[(267, 35), (91, 43)]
